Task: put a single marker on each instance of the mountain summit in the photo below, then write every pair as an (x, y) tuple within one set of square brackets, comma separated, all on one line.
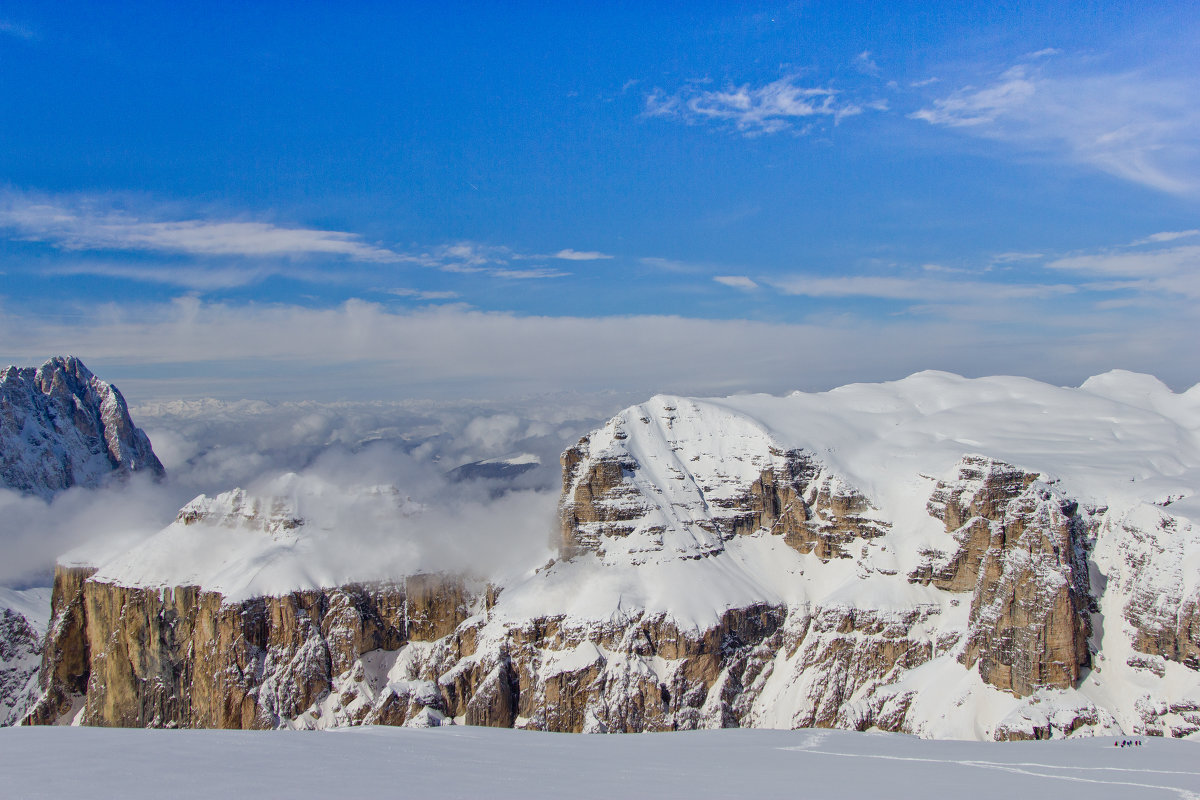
[(61, 426)]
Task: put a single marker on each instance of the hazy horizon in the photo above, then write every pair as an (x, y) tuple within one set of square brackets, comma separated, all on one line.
[(475, 202)]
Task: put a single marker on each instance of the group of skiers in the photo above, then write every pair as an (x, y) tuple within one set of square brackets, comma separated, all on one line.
[(1128, 743)]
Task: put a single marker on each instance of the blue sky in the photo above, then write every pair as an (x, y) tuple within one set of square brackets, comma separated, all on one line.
[(230, 199)]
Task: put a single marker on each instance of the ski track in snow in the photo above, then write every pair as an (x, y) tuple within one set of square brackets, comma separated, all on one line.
[(458, 761), (1016, 768)]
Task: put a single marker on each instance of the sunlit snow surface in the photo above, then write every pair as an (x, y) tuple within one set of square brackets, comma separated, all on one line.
[(462, 762)]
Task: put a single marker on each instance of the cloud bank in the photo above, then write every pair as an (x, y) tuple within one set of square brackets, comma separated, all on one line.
[(360, 350)]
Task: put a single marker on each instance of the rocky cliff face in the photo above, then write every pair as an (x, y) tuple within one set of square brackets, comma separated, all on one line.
[(23, 616), (719, 564), (1021, 552), (61, 426)]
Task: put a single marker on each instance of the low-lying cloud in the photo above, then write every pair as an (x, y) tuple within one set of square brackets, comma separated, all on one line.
[(363, 351), (324, 458)]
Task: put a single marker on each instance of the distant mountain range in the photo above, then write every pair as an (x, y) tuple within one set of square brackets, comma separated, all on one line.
[(994, 558)]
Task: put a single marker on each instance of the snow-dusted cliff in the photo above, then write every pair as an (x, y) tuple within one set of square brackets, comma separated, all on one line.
[(991, 558), (23, 618), (61, 426)]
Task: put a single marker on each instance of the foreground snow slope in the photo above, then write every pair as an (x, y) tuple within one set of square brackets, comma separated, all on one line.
[(461, 762), (956, 558)]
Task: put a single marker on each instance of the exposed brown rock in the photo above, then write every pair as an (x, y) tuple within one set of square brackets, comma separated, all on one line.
[(66, 652), (183, 657), (1020, 550), (794, 497)]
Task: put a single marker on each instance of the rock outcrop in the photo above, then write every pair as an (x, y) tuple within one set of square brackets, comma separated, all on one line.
[(61, 426), (183, 657), (23, 616), (1021, 551)]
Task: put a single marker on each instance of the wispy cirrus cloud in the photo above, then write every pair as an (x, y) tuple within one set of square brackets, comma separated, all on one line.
[(1165, 236), (420, 294), (1137, 126), (528, 274), (1143, 273), (581, 255), (918, 288), (777, 106), (864, 62), (212, 254), (87, 225), (736, 281), (491, 260), (193, 278), (1173, 271), (17, 29)]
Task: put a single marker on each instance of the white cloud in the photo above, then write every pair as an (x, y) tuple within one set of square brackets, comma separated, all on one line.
[(1143, 271), (421, 294), (195, 278), (753, 110), (528, 274), (363, 351), (1165, 236), (865, 64), (246, 252), (1163, 262), (492, 260), (1008, 258), (669, 264), (84, 226), (580, 255), (736, 281), (923, 289), (1132, 125)]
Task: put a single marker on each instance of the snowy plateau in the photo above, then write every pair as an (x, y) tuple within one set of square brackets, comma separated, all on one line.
[(972, 559)]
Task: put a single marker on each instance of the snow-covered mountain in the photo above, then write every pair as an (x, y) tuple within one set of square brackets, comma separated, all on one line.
[(990, 558), (61, 426), (23, 618)]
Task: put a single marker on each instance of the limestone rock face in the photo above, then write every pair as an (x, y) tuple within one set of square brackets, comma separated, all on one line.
[(66, 654), (183, 657), (23, 620), (1022, 553), (622, 493), (61, 426)]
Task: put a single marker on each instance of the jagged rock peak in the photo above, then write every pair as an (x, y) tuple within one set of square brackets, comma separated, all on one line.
[(61, 426)]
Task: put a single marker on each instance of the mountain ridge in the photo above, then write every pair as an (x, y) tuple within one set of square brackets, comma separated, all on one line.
[(955, 558), (61, 426)]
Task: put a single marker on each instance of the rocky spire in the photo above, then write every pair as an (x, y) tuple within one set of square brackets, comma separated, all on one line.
[(61, 426)]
